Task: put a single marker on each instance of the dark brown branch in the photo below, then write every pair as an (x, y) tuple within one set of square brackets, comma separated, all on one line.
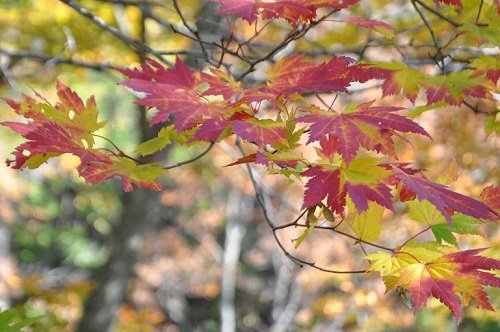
[(293, 223), (357, 239), (479, 11)]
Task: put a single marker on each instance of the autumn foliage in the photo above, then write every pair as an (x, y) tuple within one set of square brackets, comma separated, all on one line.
[(356, 172)]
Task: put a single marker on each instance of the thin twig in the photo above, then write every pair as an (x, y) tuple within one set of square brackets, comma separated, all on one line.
[(185, 162), (357, 239), (260, 200), (438, 57), (193, 31), (293, 35), (414, 236), (437, 13), (137, 44), (120, 151), (479, 11), (54, 60), (293, 223)]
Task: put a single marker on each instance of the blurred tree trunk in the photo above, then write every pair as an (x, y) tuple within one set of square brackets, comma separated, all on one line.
[(141, 211)]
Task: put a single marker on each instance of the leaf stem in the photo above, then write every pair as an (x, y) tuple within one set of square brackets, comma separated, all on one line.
[(120, 151)]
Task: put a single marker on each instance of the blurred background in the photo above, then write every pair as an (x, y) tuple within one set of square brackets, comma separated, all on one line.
[(198, 256)]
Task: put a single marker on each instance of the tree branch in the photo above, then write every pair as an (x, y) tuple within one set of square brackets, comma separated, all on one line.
[(54, 60), (261, 202), (185, 162), (137, 44)]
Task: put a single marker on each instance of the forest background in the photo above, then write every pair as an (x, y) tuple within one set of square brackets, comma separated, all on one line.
[(198, 255)]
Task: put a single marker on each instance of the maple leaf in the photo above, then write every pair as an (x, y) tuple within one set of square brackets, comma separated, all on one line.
[(362, 180), (45, 140), (454, 87), (96, 167), (359, 126), (368, 225), (386, 29), (294, 11), (215, 129), (449, 2), (179, 94), (491, 196), (324, 183), (65, 128), (293, 74), (220, 84), (261, 132), (444, 199), (53, 130), (400, 78), (152, 71), (262, 158), (455, 274), (488, 65), (426, 213)]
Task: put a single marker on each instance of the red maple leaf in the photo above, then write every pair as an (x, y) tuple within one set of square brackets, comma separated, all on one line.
[(454, 87), (260, 158), (295, 75), (261, 132), (330, 184), (152, 71), (294, 11), (45, 140), (324, 183), (53, 130), (175, 93), (443, 198), (364, 126), (212, 129), (220, 84)]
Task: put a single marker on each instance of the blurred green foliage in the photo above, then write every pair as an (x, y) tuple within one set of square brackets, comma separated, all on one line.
[(12, 321)]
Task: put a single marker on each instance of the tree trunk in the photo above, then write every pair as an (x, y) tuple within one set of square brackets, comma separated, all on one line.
[(141, 211)]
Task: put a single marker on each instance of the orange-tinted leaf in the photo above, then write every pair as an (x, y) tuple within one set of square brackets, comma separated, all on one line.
[(491, 197), (454, 279)]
